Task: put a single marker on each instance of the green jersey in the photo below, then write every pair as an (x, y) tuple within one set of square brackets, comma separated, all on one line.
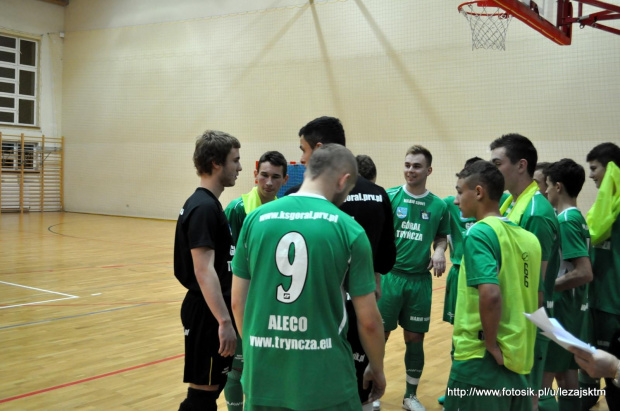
[(575, 243), (606, 269), (539, 219), (417, 220), (300, 254), (239, 208), (498, 252), (458, 226), (235, 213)]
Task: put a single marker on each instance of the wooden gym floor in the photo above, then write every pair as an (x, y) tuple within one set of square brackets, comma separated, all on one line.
[(89, 318)]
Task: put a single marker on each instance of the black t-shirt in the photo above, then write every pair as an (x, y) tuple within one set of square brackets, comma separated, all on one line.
[(369, 204), (202, 223)]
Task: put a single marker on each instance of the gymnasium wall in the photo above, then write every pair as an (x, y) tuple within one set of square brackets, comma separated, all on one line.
[(142, 79)]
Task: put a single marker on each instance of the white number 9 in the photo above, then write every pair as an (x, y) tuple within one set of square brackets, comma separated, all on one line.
[(297, 270)]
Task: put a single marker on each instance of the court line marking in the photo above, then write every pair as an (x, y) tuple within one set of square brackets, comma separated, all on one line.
[(67, 296), (71, 316), (96, 377)]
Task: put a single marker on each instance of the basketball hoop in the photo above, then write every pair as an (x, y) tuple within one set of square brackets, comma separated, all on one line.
[(489, 24)]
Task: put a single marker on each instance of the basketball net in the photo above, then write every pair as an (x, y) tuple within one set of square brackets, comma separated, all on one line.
[(488, 22)]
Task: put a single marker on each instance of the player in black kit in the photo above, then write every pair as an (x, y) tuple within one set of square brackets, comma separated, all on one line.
[(370, 206)]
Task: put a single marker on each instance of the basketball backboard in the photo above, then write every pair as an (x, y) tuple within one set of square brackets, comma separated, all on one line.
[(554, 19), (548, 17)]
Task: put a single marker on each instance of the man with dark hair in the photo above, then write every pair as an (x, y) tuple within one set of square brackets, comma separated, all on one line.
[(270, 175), (203, 249), (540, 176), (498, 282), (604, 223), (420, 220), (370, 206), (294, 324), (565, 179), (366, 167), (322, 130), (515, 156)]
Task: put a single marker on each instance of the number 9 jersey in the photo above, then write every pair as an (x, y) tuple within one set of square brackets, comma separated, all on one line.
[(301, 254)]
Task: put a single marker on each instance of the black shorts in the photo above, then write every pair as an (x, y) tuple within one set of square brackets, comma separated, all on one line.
[(360, 358), (203, 364)]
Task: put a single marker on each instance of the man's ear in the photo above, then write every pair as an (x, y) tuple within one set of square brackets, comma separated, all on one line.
[(215, 166), (255, 173), (480, 192), (429, 171), (343, 181), (522, 165)]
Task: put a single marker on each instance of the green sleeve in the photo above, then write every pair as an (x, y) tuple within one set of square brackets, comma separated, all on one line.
[(573, 243), (235, 213), (240, 260), (482, 255), (543, 229), (361, 278), (444, 223)]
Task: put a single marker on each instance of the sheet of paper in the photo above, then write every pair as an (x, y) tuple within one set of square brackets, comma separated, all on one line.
[(552, 329)]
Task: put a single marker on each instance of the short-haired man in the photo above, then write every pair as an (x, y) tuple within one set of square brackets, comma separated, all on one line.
[(515, 156), (370, 206), (294, 324), (498, 282), (564, 182), (604, 223), (270, 175), (420, 220), (203, 249), (366, 167)]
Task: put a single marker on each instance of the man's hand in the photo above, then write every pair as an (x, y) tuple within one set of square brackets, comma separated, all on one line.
[(496, 352), (228, 340), (438, 263), (597, 364), (378, 383)]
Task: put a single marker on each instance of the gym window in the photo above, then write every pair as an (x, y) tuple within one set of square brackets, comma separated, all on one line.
[(18, 80)]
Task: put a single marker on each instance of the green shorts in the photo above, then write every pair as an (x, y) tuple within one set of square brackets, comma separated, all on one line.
[(605, 325), (569, 313), (511, 390), (449, 301), (352, 404), (559, 359), (406, 300), (540, 355)]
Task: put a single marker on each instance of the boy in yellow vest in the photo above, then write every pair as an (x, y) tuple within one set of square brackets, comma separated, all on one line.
[(498, 282)]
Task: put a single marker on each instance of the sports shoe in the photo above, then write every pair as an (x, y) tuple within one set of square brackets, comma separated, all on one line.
[(413, 404), (376, 405), (441, 399)]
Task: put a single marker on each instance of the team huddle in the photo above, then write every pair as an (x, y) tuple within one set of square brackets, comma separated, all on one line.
[(290, 302)]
